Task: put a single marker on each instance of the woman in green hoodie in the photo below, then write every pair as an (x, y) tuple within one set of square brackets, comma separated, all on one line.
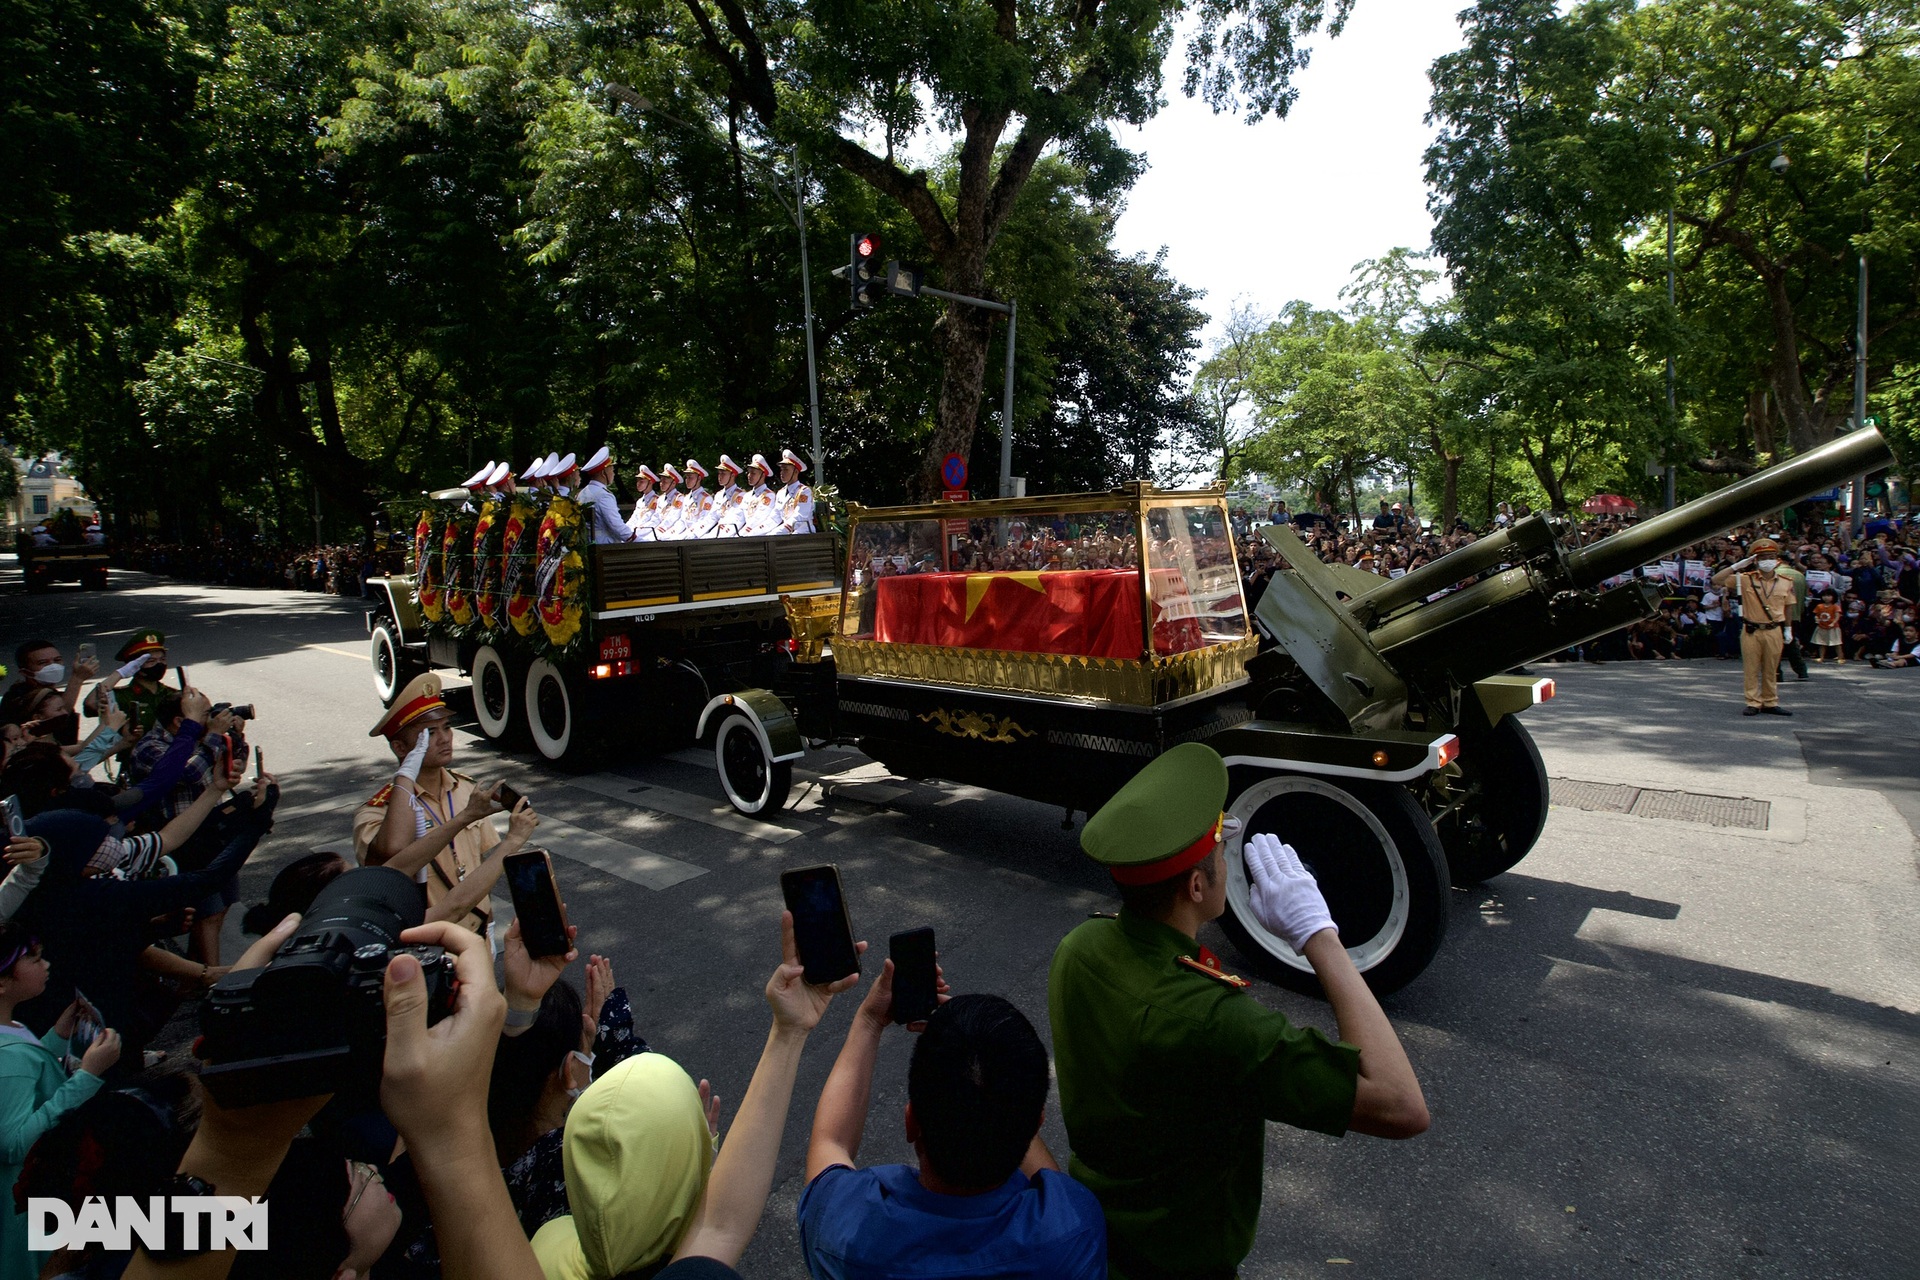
[(35, 1088)]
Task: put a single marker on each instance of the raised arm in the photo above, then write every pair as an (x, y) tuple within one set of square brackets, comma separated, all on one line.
[(736, 1194)]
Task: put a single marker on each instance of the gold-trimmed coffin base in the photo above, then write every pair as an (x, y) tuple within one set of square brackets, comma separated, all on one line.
[(1128, 681)]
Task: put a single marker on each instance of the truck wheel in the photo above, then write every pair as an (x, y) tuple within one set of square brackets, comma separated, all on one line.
[(754, 784), (392, 667), (494, 703), (1506, 808), (1377, 861), (553, 714), (94, 580)]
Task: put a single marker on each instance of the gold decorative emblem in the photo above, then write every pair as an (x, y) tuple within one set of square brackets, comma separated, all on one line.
[(976, 724)]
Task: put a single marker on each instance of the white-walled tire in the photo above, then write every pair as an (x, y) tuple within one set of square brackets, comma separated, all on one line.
[(495, 698), (754, 784), (392, 668), (552, 712), (1378, 863)]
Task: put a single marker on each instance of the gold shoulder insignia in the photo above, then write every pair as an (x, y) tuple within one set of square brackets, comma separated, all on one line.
[(379, 801), (1217, 975)]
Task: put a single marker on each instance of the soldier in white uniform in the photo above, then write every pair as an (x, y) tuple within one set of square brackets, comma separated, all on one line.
[(645, 516), (757, 513), (796, 499), (697, 515), (566, 475), (531, 476), (729, 502), (500, 483), (668, 510), (603, 512), (476, 487), (550, 474)]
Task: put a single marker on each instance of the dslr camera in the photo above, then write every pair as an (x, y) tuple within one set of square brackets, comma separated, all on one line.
[(313, 1020), (242, 712)]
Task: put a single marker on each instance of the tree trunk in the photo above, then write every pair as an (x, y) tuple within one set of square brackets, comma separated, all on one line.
[(968, 331), (1449, 489)]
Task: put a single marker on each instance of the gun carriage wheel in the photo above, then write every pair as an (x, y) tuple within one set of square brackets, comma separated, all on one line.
[(1505, 806), (1376, 858)]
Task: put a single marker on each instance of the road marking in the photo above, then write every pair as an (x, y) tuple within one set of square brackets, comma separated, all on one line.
[(629, 862), (345, 653), (681, 804)]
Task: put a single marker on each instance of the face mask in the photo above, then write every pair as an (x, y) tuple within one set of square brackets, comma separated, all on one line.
[(52, 673), (1768, 566)]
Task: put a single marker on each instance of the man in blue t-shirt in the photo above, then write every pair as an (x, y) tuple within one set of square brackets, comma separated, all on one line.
[(988, 1199)]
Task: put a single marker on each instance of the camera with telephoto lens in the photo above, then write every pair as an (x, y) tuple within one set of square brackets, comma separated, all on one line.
[(313, 1020), (242, 712)]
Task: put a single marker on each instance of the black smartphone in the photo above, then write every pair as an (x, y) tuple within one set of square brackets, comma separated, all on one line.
[(259, 764), (183, 678), (16, 820), (508, 797), (237, 752), (536, 903), (915, 984), (822, 930)]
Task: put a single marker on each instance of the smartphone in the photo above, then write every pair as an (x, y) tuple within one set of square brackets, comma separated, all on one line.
[(87, 1026), (85, 653), (536, 902), (182, 671), (237, 752), (822, 930), (915, 984), (259, 764), (507, 796), (16, 821)]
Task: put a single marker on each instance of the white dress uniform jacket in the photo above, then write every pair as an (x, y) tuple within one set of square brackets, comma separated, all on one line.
[(603, 514), (796, 509), (697, 514), (668, 515), (644, 518), (729, 505), (759, 515)]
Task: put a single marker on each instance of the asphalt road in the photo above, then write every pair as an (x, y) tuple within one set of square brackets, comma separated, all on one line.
[(1657, 1047)]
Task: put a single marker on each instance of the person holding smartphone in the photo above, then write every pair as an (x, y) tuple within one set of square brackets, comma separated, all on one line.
[(1169, 1070), (986, 1197)]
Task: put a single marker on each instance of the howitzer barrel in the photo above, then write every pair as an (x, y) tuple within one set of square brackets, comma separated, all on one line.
[(1764, 491), (1503, 546)]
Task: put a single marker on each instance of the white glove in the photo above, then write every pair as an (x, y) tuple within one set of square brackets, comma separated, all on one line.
[(132, 669), (1741, 564), (410, 767), (1285, 898)]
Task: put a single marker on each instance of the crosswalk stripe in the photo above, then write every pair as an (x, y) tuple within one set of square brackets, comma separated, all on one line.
[(681, 804), (629, 862)]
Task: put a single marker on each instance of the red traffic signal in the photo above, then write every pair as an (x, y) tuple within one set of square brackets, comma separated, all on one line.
[(864, 271), (866, 247)]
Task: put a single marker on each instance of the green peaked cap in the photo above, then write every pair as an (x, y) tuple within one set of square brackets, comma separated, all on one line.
[(142, 642), (1165, 808)]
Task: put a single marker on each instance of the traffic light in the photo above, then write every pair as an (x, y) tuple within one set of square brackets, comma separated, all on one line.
[(865, 271)]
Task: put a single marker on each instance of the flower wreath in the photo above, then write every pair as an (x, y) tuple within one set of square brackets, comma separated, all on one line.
[(426, 566), (516, 565), (487, 531), (456, 547), (559, 577)]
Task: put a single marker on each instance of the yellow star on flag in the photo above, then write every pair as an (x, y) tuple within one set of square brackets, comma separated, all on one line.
[(977, 584)]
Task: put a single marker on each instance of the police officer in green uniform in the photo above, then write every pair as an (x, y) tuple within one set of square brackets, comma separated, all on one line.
[(1169, 1068), (140, 696)]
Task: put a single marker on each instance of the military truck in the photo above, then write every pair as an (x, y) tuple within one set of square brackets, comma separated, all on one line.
[(62, 548), (1050, 647), (561, 636)]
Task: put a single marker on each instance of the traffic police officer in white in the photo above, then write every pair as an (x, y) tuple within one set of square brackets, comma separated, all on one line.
[(603, 510)]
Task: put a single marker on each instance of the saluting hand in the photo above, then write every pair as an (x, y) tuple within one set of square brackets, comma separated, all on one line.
[(1284, 895)]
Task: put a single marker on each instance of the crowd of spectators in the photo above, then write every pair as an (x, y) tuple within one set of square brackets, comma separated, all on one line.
[(529, 1132), (1858, 598), (339, 570)]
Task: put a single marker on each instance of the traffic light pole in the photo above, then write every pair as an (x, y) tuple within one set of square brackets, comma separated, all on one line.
[(806, 295), (1012, 311)]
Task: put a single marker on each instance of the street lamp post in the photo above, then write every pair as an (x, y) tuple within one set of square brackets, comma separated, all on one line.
[(797, 212), (1778, 165)]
